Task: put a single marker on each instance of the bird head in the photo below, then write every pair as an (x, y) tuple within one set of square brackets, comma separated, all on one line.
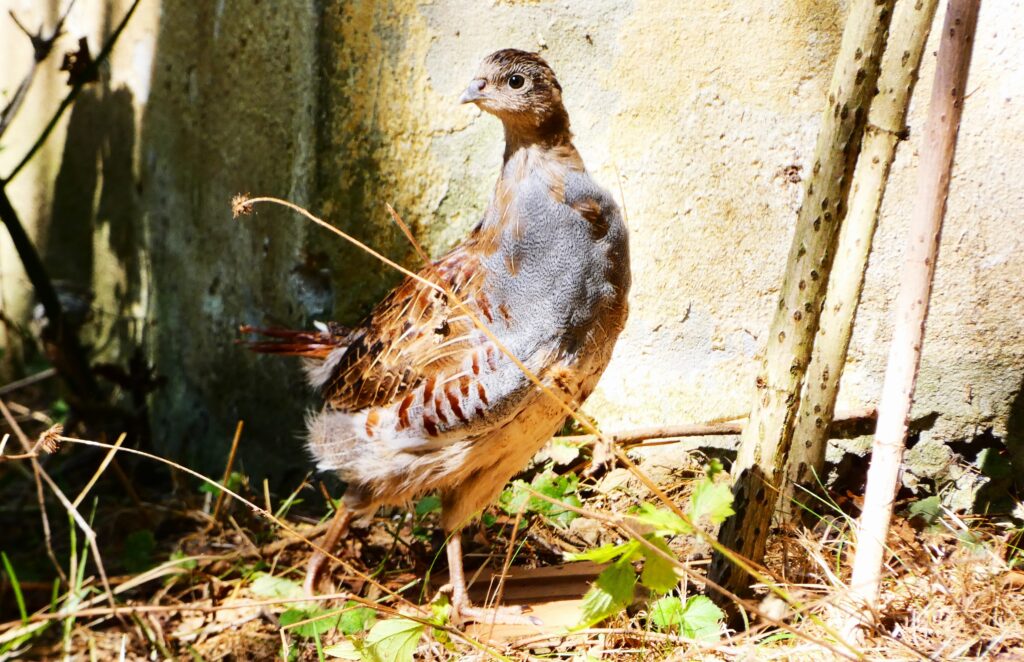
[(521, 90)]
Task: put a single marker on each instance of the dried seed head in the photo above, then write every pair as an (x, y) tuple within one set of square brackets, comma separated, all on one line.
[(241, 205), (49, 440)]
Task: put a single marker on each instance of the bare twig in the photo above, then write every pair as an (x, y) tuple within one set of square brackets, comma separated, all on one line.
[(252, 506), (72, 94), (69, 358), (27, 381), (628, 438), (42, 45), (71, 508), (499, 593), (911, 307)]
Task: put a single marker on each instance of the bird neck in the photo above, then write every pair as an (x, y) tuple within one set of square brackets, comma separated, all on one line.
[(550, 134)]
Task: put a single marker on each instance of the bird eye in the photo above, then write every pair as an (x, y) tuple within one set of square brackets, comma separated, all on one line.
[(515, 81)]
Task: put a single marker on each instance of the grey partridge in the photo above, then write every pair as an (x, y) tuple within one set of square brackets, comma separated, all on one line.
[(418, 398)]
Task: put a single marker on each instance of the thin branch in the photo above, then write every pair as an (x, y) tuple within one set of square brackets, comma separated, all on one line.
[(635, 437), (41, 47), (70, 361), (90, 72), (911, 308), (27, 381)]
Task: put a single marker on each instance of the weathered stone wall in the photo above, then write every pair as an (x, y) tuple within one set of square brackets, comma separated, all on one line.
[(700, 116)]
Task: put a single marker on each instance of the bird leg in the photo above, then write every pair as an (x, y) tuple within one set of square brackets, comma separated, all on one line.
[(463, 610), (338, 528)]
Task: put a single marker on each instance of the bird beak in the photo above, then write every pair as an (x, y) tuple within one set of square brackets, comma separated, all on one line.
[(474, 92)]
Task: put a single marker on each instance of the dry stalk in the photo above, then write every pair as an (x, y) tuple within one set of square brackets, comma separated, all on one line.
[(908, 33), (121, 610), (911, 307), (227, 470), (759, 470), (37, 471), (622, 524), (252, 506), (500, 591)]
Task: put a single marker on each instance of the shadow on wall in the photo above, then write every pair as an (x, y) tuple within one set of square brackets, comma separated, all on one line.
[(97, 166), (1015, 437), (142, 217), (227, 114), (1003, 464), (91, 240)]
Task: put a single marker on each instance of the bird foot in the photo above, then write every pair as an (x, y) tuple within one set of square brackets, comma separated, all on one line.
[(315, 568), (509, 615), (602, 458)]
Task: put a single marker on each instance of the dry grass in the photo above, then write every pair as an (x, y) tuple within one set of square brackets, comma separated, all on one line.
[(951, 590), (216, 578)]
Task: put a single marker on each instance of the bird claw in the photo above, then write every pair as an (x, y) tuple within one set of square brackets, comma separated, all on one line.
[(602, 457), (509, 615)]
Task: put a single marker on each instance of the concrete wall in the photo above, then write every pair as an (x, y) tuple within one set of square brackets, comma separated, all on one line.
[(700, 115)]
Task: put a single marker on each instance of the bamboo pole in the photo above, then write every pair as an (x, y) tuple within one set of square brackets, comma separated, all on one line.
[(911, 308), (911, 23), (759, 470)]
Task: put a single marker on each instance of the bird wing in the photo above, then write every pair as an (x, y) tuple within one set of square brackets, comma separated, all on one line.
[(422, 363)]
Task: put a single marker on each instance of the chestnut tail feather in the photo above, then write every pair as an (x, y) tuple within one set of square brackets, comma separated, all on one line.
[(287, 342)]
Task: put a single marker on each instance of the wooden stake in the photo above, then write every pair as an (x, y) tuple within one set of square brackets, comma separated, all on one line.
[(759, 469), (911, 307), (911, 23)]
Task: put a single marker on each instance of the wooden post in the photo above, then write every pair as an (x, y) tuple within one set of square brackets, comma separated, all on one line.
[(759, 470), (911, 307), (911, 23)]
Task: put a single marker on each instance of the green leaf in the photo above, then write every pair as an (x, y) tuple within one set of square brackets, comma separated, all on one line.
[(712, 501), (702, 619), (659, 574), (606, 553), (665, 522), (929, 509), (714, 468), (393, 640), (563, 516), (428, 504), (269, 586), (611, 593), (517, 496), (234, 483), (137, 553), (326, 621), (186, 562), (15, 587), (698, 618), (666, 613), (344, 650), (350, 619), (356, 618), (59, 411), (514, 497), (440, 610)]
